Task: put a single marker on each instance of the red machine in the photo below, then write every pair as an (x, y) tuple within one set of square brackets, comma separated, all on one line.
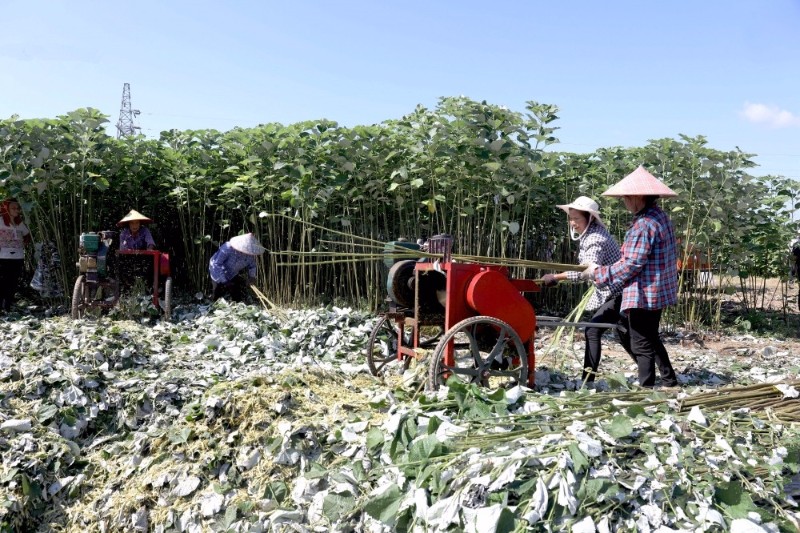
[(481, 324), (160, 268), (96, 289)]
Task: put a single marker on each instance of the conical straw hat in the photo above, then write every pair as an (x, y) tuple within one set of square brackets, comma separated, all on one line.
[(584, 203), (134, 215), (640, 183), (247, 244)]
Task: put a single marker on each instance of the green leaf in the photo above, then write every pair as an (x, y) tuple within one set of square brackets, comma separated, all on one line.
[(31, 488), (375, 439), (425, 448), (393, 186), (433, 425), (179, 436), (621, 426), (736, 502), (384, 506), (635, 410), (276, 490), (46, 412), (335, 506), (417, 183), (315, 471), (579, 460), (230, 515), (406, 432), (507, 522)]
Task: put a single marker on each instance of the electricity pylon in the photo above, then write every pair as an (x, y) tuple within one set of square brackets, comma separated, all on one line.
[(125, 125)]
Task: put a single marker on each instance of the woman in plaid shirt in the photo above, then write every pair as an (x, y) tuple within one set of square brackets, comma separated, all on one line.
[(647, 273), (599, 247)]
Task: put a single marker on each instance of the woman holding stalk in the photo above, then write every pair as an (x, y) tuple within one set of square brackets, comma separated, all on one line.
[(236, 256), (598, 247), (647, 273)]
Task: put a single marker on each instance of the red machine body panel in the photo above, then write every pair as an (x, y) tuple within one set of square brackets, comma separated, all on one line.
[(490, 293)]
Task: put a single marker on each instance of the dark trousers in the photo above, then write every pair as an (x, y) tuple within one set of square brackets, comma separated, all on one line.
[(235, 290), (607, 313), (640, 338), (10, 272)]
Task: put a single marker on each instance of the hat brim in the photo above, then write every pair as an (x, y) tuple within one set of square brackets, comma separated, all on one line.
[(595, 214), (247, 251), (640, 183), (247, 244), (134, 216)]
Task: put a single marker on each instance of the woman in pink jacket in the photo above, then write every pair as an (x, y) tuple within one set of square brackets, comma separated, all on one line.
[(14, 235)]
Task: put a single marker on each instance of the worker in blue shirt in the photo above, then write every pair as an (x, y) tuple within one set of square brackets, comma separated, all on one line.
[(236, 256)]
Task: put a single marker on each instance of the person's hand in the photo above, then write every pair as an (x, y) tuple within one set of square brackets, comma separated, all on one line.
[(548, 280), (588, 274)]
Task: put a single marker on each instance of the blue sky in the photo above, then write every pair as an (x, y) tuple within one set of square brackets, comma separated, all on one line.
[(621, 72)]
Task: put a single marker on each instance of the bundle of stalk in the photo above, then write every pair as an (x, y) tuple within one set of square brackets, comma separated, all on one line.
[(267, 304), (573, 316), (782, 399), (359, 248)]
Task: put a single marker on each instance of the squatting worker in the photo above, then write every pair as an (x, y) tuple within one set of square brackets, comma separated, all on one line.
[(599, 247), (134, 236), (647, 274), (236, 256), (14, 235)]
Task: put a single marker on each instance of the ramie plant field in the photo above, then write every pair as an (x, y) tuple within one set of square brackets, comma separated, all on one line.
[(488, 175)]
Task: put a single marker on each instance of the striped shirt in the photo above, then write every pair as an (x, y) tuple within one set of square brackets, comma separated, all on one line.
[(648, 271), (599, 247), (226, 263)]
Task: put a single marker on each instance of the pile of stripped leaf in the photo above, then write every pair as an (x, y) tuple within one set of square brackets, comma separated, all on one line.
[(232, 418)]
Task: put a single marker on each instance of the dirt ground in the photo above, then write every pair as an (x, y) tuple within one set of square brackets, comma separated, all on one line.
[(735, 355)]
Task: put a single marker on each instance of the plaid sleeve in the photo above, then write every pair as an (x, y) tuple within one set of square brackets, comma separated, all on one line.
[(635, 251), (596, 247)]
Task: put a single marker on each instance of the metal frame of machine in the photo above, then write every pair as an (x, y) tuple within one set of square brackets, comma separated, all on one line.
[(95, 289), (483, 332)]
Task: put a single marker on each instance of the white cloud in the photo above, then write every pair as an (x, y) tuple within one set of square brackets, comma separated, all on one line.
[(772, 116)]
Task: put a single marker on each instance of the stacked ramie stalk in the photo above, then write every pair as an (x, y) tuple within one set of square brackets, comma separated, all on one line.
[(375, 250), (760, 396)]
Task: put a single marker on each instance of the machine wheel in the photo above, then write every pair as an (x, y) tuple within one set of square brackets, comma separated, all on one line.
[(382, 346), (486, 351), (77, 297), (168, 299)]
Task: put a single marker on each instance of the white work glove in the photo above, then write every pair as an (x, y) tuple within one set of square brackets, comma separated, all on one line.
[(588, 274)]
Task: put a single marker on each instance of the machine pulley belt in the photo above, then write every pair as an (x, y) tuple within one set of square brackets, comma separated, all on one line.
[(554, 322)]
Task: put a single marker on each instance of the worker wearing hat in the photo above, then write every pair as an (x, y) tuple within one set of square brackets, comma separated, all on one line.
[(134, 236), (596, 246), (647, 273), (236, 256)]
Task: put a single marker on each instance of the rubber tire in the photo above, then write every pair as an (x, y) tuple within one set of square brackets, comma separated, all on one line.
[(77, 298), (168, 299), (437, 358), (381, 327)]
